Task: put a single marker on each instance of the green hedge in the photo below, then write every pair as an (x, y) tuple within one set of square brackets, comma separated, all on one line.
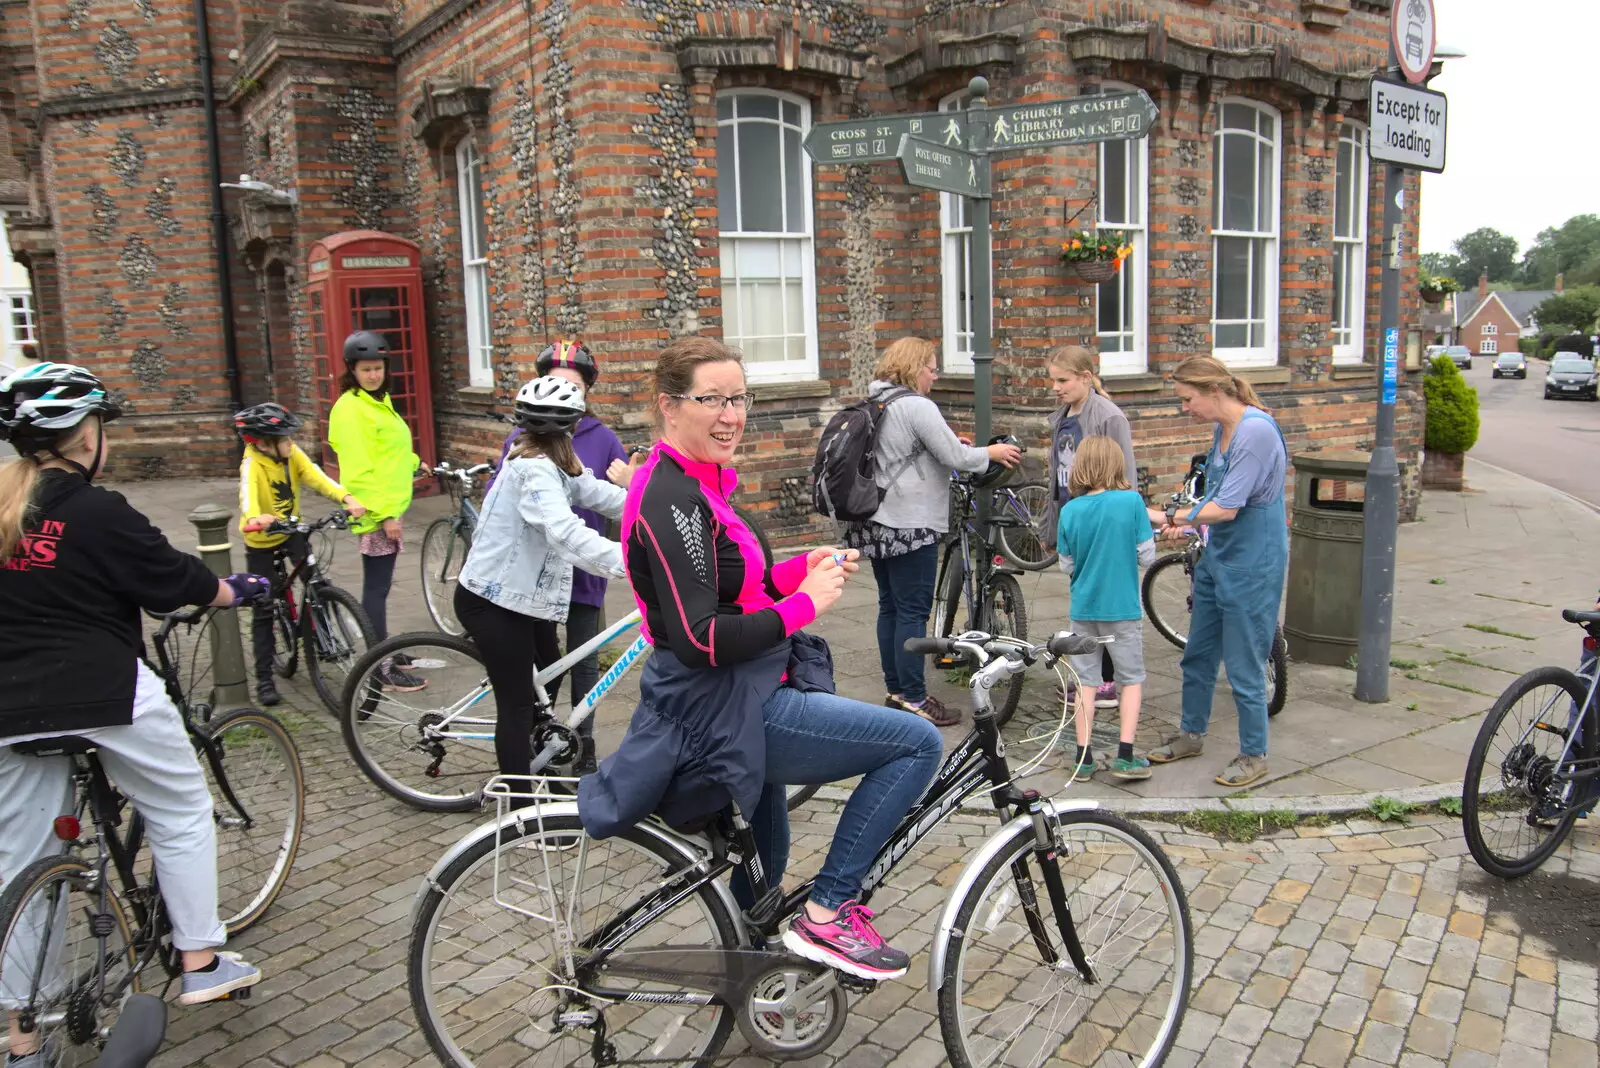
[(1452, 424)]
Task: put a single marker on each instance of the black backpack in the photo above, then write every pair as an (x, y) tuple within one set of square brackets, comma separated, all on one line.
[(844, 483)]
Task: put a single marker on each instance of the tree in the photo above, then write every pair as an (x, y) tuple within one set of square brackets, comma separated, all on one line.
[(1486, 250), (1574, 311), (1573, 249), (1441, 264), (1451, 422)]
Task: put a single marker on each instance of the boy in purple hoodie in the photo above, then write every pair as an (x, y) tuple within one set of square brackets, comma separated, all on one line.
[(601, 452)]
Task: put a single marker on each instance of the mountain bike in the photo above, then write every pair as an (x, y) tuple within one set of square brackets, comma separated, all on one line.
[(327, 623), (67, 946), (1167, 592), (973, 574), (1535, 766), (447, 542), (1066, 936)]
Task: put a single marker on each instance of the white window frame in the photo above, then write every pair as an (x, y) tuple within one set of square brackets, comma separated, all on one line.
[(800, 234), (1489, 346), (1350, 251), (1491, 328), (1134, 275), (21, 302), (474, 263), (1264, 248), (955, 268)]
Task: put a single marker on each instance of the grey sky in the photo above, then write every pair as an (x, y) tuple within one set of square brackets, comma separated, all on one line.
[(1521, 153)]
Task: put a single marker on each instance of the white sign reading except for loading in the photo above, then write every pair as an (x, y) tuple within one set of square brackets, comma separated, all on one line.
[(1408, 125)]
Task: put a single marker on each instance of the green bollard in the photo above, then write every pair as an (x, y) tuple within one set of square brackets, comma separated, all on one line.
[(228, 677)]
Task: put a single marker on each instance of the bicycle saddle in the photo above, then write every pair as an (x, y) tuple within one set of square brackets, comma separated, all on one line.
[(64, 745)]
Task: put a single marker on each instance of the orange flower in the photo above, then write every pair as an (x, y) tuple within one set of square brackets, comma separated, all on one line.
[(1076, 244), (1124, 252)]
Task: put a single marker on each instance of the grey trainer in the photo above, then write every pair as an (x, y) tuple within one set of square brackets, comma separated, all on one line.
[(231, 975), (1243, 770), (1180, 745)]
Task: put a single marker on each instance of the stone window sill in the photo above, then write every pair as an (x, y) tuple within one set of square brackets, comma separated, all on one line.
[(1138, 382), (769, 391), (476, 394), (1345, 372), (1270, 376)]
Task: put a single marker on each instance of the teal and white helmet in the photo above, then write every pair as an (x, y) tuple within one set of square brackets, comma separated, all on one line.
[(42, 402)]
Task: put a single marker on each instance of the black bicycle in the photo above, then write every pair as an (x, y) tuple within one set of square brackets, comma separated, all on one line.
[(1535, 762), (1066, 937), (68, 950), (1167, 592), (327, 623), (973, 574)]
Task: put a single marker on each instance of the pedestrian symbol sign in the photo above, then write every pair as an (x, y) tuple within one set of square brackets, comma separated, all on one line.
[(950, 170)]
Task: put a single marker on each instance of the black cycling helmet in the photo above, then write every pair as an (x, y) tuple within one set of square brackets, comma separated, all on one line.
[(365, 345), (996, 474), (570, 354), (548, 405), (41, 403), (263, 421)]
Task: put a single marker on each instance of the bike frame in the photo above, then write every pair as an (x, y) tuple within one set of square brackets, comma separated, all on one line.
[(457, 716), (978, 760), (1571, 769), (978, 569), (466, 514)]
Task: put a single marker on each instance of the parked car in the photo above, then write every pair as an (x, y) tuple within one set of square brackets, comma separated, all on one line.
[(1461, 355), (1571, 376), (1510, 365)]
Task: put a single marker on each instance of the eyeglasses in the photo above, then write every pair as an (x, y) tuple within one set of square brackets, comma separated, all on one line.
[(716, 402)]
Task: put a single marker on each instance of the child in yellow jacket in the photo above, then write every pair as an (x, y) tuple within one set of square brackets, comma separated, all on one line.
[(271, 475)]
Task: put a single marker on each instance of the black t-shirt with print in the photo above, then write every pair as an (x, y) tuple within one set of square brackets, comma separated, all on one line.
[(70, 596)]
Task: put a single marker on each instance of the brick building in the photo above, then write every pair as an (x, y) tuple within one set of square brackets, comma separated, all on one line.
[(629, 172), (1499, 319)]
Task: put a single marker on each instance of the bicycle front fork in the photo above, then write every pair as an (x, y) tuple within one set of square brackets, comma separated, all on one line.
[(1047, 850)]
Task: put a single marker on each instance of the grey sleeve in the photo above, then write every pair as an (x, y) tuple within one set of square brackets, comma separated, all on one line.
[(929, 428), (1122, 434), (1147, 552), (1250, 456)]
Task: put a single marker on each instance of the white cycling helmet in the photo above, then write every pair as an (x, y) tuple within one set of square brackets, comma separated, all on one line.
[(549, 405), (40, 403)]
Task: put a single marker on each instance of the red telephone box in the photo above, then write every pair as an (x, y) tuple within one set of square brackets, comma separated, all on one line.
[(367, 280)]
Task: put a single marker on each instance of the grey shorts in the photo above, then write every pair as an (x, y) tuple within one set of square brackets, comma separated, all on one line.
[(1127, 651)]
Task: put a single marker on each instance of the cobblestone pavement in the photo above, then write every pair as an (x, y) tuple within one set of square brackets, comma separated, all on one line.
[(1343, 944)]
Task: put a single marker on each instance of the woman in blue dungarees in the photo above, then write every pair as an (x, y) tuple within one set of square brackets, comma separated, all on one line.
[(1239, 581)]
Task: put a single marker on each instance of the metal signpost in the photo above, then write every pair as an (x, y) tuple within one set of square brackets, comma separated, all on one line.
[(949, 151), (1408, 130)]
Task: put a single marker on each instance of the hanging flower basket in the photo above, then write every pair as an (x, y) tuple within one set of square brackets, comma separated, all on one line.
[(1095, 256), (1095, 271)]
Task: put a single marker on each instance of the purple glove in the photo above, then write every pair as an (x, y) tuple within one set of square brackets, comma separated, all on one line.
[(249, 589)]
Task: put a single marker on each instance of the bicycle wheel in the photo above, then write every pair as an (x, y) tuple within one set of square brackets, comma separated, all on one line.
[(444, 550), (1002, 1002), (1278, 673), (52, 965), (336, 632), (488, 975), (948, 590), (432, 748), (799, 795), (1007, 617), (1166, 593), (1032, 546), (1513, 811), (256, 839), (285, 645)]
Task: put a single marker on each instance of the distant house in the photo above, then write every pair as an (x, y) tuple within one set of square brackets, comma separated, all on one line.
[(1439, 325), (1500, 318)]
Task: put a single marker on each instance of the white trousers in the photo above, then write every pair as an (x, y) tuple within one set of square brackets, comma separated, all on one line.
[(153, 763)]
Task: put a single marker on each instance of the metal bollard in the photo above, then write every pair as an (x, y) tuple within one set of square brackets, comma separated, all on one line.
[(228, 675)]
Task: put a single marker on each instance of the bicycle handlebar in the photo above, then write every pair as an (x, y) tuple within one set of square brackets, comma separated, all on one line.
[(968, 646), (182, 615), (137, 1035), (464, 475), (340, 520), (1575, 615)]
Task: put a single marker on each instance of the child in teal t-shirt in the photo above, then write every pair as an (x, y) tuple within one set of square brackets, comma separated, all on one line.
[(1103, 537)]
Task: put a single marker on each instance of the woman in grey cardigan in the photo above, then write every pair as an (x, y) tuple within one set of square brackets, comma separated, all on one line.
[(916, 452), (1086, 411)]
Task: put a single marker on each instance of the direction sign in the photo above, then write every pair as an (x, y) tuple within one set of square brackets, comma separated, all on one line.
[(947, 169), (878, 138), (1072, 121), (1413, 29), (1408, 125)]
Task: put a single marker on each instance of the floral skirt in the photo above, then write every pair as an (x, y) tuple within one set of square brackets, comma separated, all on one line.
[(377, 543), (878, 542)]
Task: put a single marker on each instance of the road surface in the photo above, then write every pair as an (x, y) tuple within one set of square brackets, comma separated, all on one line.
[(1556, 442)]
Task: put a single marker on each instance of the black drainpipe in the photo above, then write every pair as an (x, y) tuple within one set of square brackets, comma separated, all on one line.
[(219, 216)]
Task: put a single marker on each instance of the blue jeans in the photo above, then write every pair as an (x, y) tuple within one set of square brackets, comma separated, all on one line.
[(905, 597), (816, 738), (1233, 620)]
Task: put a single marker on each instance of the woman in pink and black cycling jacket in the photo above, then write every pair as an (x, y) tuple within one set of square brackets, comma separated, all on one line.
[(718, 720)]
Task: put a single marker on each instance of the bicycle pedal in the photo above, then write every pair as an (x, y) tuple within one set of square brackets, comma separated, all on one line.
[(855, 983)]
